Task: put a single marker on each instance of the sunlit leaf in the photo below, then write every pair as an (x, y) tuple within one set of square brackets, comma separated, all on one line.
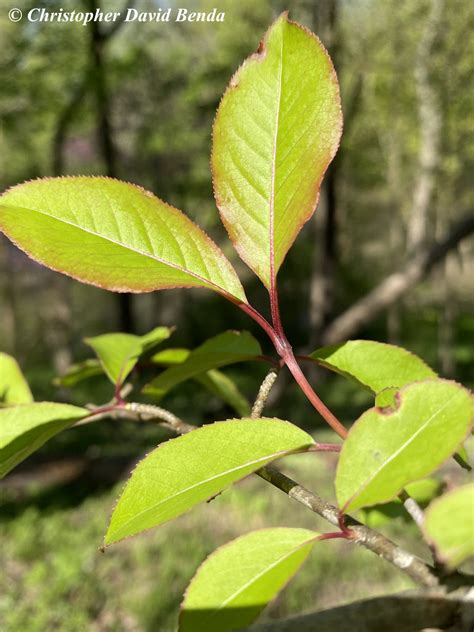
[(374, 365), (449, 525), (14, 388), (276, 131), (192, 468), (114, 235), (26, 427), (226, 348), (235, 583), (388, 448), (118, 353)]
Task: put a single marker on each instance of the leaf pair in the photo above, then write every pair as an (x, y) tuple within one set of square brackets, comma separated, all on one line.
[(277, 129), (418, 422)]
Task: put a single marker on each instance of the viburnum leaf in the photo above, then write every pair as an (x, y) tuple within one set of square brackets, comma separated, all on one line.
[(26, 427), (192, 468), (276, 131), (226, 348), (114, 235), (449, 525), (374, 365), (235, 583), (388, 448), (118, 353), (14, 388)]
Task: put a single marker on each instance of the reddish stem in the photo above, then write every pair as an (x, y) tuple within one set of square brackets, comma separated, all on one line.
[(285, 351), (307, 389), (325, 447)]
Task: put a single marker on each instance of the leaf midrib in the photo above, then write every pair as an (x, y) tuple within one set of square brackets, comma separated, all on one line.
[(153, 257), (272, 193), (259, 575), (269, 457), (399, 451)]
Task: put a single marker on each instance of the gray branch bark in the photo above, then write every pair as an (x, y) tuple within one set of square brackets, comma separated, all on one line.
[(404, 612)]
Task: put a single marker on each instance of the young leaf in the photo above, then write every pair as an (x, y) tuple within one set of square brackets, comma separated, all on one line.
[(235, 583), (192, 468), (170, 357), (14, 388), (78, 372), (114, 235), (226, 348), (276, 131), (388, 448), (221, 385), (118, 353), (374, 365), (26, 427), (214, 381), (449, 525)]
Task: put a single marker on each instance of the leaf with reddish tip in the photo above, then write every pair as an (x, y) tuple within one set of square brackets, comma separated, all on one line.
[(388, 448), (14, 388), (114, 235), (276, 131)]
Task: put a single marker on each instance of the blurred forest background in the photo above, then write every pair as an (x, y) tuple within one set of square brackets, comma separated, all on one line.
[(388, 255)]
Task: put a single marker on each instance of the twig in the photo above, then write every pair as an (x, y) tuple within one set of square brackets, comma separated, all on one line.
[(415, 568), (263, 393), (413, 509), (411, 565), (403, 612)]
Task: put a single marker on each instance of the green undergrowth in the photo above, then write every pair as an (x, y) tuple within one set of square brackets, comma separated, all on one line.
[(54, 576)]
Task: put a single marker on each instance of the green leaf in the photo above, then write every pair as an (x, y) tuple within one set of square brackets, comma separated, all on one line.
[(214, 381), (78, 372), (226, 348), (190, 469), (235, 583), (221, 385), (114, 235), (119, 353), (422, 492), (449, 525), (26, 427), (14, 388), (170, 357), (374, 365), (276, 131), (386, 449)]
